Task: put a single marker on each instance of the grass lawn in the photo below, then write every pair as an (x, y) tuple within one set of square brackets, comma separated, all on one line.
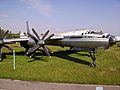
[(63, 66)]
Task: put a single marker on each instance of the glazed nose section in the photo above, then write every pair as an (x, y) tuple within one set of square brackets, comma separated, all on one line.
[(112, 40)]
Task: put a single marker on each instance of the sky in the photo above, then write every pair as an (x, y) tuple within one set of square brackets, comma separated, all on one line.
[(60, 15)]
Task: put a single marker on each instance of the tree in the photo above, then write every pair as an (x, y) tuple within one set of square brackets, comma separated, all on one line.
[(9, 35)]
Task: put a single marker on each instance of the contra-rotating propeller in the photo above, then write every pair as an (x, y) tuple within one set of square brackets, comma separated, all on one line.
[(40, 42), (2, 43)]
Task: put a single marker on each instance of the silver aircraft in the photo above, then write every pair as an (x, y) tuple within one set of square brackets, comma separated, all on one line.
[(87, 40)]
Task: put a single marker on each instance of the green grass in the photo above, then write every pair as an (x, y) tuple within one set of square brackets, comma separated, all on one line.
[(63, 66)]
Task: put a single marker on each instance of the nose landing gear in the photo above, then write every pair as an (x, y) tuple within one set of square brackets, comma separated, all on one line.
[(92, 55)]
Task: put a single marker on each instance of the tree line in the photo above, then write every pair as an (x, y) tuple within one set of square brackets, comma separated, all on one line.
[(10, 34)]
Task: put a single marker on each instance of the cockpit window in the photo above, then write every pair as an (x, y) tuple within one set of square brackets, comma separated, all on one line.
[(92, 32)]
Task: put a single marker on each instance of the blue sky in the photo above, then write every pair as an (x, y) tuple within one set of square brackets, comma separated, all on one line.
[(60, 15)]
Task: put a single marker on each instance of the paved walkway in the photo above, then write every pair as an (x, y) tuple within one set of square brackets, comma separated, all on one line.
[(27, 85)]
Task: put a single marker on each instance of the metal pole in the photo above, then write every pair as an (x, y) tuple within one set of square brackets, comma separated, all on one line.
[(1, 54), (14, 66)]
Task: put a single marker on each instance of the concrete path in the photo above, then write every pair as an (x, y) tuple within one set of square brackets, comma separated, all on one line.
[(27, 85)]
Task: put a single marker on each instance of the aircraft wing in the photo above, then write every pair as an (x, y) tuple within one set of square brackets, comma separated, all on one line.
[(8, 41), (57, 37)]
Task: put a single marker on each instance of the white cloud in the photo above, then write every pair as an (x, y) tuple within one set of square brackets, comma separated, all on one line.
[(43, 7)]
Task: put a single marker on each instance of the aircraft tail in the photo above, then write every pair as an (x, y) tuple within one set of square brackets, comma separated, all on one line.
[(25, 34), (28, 29)]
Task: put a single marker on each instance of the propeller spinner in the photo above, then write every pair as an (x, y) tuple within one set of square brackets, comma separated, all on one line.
[(40, 42)]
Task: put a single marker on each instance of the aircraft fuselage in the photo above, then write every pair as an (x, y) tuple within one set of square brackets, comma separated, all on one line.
[(80, 42)]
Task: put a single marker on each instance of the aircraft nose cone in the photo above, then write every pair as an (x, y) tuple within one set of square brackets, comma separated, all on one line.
[(112, 40), (41, 42)]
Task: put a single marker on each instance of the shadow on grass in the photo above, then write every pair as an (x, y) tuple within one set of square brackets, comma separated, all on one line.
[(22, 53), (118, 45), (65, 55), (35, 59), (61, 54), (38, 56)]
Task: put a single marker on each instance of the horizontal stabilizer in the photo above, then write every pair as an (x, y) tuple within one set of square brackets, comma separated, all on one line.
[(9, 41)]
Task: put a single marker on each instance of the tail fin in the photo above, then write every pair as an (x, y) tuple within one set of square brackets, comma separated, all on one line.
[(28, 30)]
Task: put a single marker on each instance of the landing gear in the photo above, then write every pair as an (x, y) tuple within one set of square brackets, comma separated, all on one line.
[(92, 55), (26, 50), (70, 48)]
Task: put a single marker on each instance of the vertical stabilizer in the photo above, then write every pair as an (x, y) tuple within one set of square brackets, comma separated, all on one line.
[(28, 30)]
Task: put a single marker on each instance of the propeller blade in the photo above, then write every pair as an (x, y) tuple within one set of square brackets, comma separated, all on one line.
[(32, 37), (45, 35), (49, 50), (36, 33), (33, 49), (4, 35), (49, 37), (46, 50), (8, 47)]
